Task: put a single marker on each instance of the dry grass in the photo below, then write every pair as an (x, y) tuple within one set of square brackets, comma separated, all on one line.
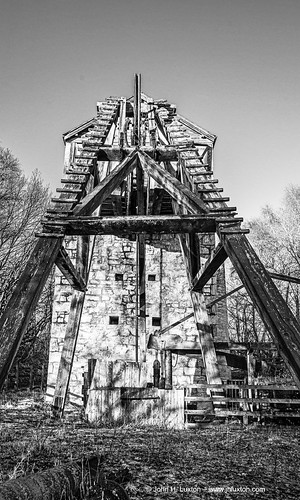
[(155, 463)]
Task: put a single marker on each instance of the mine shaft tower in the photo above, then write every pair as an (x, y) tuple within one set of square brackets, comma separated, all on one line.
[(135, 170)]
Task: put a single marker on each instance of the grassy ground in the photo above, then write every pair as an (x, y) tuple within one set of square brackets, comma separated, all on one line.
[(219, 462)]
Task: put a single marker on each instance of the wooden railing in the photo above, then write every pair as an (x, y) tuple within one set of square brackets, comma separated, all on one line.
[(204, 401)]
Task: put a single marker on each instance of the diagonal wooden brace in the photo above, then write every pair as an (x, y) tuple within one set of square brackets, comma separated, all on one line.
[(275, 313), (16, 317)]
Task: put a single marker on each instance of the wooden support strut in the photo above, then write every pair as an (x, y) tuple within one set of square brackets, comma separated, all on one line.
[(150, 224), (178, 191), (99, 194), (204, 328), (67, 268), (191, 257), (72, 329), (213, 263), (275, 313), (137, 110), (16, 317)]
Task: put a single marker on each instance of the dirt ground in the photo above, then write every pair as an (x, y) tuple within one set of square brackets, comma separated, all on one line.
[(224, 461)]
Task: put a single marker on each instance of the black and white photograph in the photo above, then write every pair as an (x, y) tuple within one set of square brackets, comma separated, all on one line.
[(149, 250)]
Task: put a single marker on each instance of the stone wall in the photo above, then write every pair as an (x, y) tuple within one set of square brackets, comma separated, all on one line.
[(108, 321)]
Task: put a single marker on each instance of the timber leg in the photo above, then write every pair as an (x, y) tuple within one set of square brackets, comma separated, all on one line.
[(274, 311), (16, 317)]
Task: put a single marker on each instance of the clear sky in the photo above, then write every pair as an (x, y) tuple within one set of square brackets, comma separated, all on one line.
[(232, 66)]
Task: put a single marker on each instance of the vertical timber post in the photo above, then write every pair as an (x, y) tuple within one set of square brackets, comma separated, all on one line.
[(72, 330), (137, 109), (140, 238), (202, 323)]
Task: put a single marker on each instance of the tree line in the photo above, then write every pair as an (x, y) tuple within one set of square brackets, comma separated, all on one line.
[(22, 203)]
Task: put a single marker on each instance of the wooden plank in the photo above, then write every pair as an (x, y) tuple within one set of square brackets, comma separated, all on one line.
[(72, 329), (178, 191), (213, 263), (17, 314), (94, 199), (67, 268), (151, 224), (275, 313)]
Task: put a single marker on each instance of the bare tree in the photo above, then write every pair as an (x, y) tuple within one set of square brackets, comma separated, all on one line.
[(22, 204)]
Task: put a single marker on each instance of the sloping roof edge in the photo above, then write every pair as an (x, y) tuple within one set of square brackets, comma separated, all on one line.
[(78, 130), (196, 128)]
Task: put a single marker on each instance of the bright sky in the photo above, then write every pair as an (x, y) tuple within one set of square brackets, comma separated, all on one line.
[(232, 66)]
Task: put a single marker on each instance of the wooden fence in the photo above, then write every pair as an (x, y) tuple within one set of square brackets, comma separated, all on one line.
[(256, 402)]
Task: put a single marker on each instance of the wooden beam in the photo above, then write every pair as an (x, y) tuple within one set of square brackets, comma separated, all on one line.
[(160, 153), (72, 329), (213, 263), (178, 191), (167, 328), (224, 296), (140, 272), (122, 122), (17, 314), (94, 199), (284, 277), (152, 125), (202, 324), (275, 313), (196, 128), (193, 249), (137, 109), (67, 268), (150, 224)]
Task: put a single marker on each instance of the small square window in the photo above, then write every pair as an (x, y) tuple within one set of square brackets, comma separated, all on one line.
[(151, 277), (118, 277), (156, 321), (114, 320)]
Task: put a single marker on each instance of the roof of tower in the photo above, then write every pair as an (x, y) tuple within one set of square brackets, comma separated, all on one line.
[(164, 114)]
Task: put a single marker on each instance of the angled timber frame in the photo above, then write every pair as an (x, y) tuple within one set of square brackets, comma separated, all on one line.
[(139, 169)]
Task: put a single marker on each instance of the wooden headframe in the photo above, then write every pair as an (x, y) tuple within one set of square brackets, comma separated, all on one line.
[(140, 168)]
